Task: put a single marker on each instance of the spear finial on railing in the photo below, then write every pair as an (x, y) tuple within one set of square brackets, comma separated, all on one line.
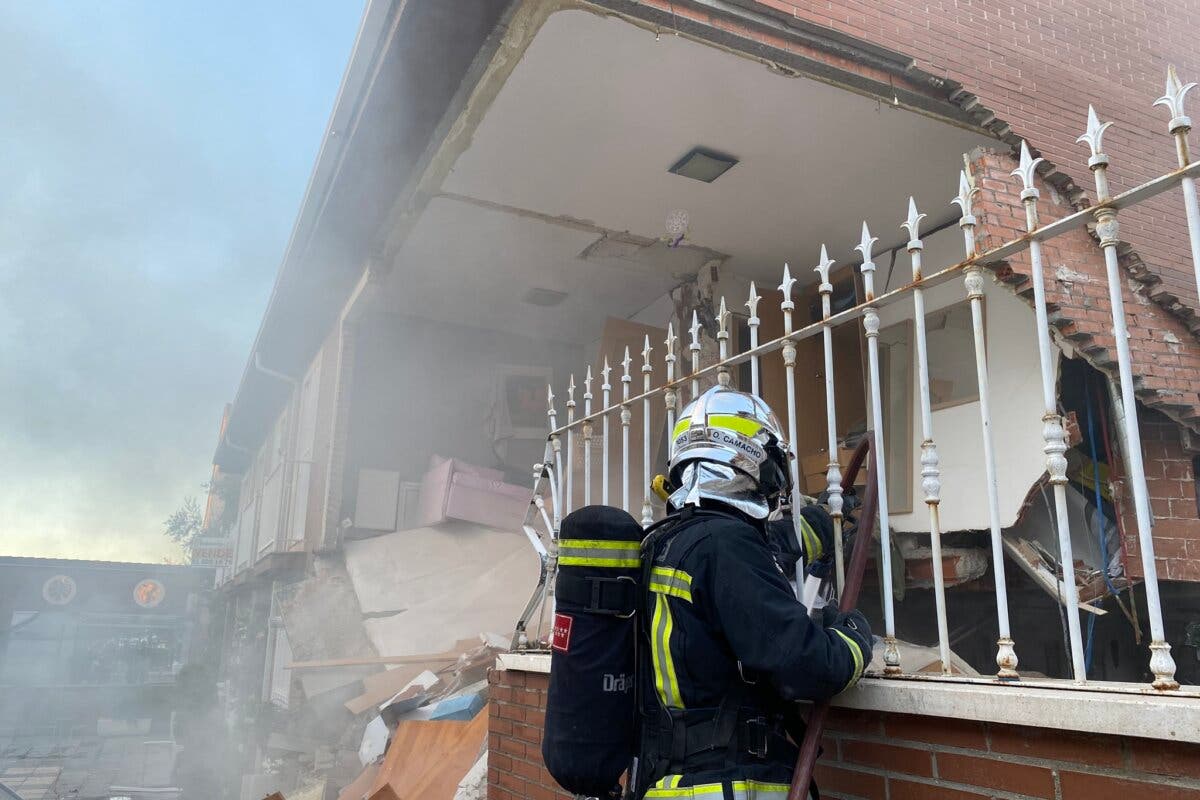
[(587, 437), (569, 478), (822, 269), (965, 201), (550, 412), (670, 395), (694, 347), (626, 418), (868, 266), (1026, 170), (606, 390), (786, 288), (752, 324), (646, 351), (913, 223), (1094, 137), (1173, 100), (723, 343)]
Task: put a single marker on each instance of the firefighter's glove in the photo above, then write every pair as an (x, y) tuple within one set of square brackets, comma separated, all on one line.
[(851, 629), (816, 534)]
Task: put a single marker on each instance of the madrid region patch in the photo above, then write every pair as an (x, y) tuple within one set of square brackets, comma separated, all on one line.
[(561, 637)]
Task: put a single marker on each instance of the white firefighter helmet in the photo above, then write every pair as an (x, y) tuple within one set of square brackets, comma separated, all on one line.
[(737, 429)]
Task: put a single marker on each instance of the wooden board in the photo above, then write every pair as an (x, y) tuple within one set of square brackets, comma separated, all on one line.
[(426, 760)]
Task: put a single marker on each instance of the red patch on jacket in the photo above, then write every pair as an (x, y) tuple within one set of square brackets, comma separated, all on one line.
[(560, 640)]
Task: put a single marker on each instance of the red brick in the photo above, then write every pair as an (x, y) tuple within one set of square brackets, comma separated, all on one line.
[(1007, 775), (511, 712), (527, 733), (1087, 786), (932, 730), (899, 789), (528, 771), (904, 760), (513, 783), (1080, 748), (836, 779)]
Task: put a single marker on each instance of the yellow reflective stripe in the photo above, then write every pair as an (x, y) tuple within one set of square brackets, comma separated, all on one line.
[(729, 422), (742, 425), (586, 561), (672, 573), (674, 782), (598, 544), (665, 681), (668, 782), (858, 658), (742, 790), (812, 543), (599, 553), (675, 582)]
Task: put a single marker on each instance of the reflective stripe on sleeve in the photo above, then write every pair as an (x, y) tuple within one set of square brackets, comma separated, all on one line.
[(812, 543), (665, 681), (675, 582), (855, 651)]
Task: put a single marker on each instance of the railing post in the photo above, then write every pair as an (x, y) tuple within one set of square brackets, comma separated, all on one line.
[(569, 490), (556, 447), (587, 437), (1006, 655), (626, 417), (647, 510), (606, 391), (752, 323), (931, 481), (670, 396), (1179, 126), (789, 363), (1108, 230), (891, 651), (695, 348), (833, 474), (723, 344)]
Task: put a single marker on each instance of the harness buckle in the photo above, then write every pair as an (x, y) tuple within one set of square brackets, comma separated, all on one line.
[(626, 597), (758, 734)]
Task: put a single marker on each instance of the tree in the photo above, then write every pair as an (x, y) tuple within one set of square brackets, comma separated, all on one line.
[(185, 524)]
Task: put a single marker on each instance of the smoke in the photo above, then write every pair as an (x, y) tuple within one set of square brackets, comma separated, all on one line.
[(154, 157)]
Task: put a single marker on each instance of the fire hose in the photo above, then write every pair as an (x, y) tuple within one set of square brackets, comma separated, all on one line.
[(848, 599)]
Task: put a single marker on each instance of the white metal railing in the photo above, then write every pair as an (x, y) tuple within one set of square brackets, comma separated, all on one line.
[(553, 479)]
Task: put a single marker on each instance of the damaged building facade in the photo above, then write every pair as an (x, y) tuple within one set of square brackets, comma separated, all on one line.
[(600, 197)]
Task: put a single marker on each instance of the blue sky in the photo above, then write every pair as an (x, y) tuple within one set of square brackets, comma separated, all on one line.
[(152, 160)]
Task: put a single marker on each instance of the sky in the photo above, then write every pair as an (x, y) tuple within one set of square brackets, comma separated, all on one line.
[(153, 156)]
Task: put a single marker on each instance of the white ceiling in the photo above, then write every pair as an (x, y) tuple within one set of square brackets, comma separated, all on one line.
[(586, 127)]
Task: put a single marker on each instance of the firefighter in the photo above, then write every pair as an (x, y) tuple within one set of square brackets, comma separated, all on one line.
[(725, 648)]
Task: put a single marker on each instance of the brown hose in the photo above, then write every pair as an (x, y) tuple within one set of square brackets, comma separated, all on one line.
[(807, 760)]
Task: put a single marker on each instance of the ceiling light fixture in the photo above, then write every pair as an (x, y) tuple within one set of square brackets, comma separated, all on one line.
[(544, 297), (702, 164)]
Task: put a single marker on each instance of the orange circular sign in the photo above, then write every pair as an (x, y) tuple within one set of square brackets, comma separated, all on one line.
[(149, 593)]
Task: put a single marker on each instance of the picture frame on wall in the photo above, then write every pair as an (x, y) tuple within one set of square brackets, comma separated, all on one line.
[(520, 397)]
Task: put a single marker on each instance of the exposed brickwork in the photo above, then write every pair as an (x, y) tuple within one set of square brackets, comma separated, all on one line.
[(876, 756), (1170, 479), (517, 704)]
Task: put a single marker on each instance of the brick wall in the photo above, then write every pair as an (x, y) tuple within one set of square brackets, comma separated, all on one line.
[(876, 756), (1171, 482), (1037, 65)]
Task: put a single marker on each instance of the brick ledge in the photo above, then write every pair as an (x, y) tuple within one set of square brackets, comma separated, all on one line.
[(1131, 711)]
